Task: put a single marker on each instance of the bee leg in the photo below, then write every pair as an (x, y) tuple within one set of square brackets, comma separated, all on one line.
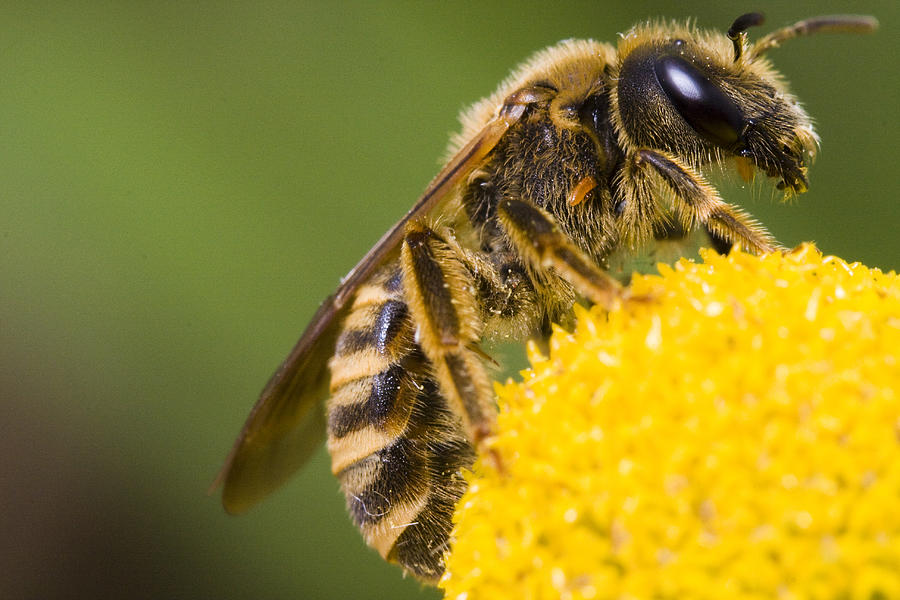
[(697, 203), (535, 234), (719, 244), (505, 293), (448, 326)]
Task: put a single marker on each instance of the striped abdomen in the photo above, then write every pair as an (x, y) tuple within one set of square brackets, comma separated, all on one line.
[(395, 447)]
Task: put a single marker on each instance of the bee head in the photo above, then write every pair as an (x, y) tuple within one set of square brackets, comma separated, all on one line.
[(707, 96)]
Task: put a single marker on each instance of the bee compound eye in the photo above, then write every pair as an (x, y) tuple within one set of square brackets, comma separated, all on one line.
[(705, 107)]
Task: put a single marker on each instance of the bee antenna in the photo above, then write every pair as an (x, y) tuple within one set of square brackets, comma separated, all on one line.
[(825, 23), (737, 33)]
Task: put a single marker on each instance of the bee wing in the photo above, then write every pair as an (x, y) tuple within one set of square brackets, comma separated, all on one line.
[(287, 422)]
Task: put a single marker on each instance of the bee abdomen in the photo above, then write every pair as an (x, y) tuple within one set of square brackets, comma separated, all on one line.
[(396, 448), (372, 388), (420, 547)]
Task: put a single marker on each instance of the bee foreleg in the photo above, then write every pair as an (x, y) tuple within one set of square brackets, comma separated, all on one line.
[(697, 203), (448, 326), (535, 234)]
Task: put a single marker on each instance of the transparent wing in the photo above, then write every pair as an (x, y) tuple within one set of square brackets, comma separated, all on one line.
[(287, 423)]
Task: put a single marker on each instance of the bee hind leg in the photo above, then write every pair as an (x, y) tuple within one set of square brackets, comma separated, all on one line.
[(448, 326)]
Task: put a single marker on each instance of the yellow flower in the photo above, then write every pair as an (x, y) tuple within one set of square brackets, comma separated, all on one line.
[(734, 437)]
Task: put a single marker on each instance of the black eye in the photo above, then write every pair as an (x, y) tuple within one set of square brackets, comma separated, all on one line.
[(704, 106)]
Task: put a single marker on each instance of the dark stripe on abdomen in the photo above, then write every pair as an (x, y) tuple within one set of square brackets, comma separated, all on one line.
[(391, 397), (390, 321), (399, 475)]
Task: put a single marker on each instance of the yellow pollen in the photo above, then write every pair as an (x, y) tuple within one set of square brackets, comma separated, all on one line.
[(736, 437)]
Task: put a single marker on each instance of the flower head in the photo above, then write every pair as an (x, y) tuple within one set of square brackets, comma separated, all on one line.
[(738, 435)]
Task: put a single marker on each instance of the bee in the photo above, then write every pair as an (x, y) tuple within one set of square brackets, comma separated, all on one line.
[(586, 150)]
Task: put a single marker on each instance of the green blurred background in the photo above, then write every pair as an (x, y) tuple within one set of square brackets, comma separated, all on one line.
[(181, 184)]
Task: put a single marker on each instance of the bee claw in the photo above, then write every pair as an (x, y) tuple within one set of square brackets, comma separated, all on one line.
[(629, 299), (491, 457)]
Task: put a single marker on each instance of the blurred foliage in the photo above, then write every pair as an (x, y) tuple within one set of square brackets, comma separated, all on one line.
[(182, 183)]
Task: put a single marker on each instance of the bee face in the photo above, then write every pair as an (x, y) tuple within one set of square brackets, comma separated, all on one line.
[(586, 151), (688, 94)]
